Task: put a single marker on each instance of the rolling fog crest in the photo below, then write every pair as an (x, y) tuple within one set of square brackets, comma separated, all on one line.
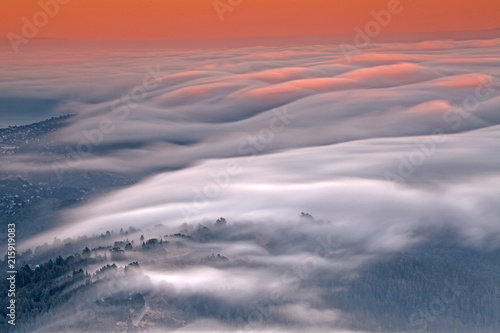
[(265, 189), (138, 113)]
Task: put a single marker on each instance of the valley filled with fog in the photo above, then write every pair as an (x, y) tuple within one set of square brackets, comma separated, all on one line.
[(263, 189)]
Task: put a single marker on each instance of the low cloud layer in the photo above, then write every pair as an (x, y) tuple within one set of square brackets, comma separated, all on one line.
[(382, 149), (168, 110)]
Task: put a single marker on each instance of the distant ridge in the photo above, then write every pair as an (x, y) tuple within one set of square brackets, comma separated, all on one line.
[(275, 41), (48, 120)]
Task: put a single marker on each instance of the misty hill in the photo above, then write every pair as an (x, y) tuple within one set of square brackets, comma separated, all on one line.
[(18, 139), (33, 199), (434, 287)]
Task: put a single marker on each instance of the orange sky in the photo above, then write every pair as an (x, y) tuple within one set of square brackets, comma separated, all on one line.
[(190, 19)]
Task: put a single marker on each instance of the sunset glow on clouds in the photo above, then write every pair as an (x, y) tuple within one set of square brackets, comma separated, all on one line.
[(324, 127), (379, 118)]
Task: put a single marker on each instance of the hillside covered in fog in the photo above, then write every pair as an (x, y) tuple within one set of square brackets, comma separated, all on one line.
[(262, 189)]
